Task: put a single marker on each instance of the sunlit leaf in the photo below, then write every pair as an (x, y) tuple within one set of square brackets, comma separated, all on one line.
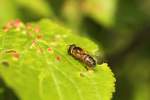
[(34, 62)]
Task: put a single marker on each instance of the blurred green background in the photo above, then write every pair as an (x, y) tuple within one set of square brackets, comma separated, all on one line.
[(122, 27)]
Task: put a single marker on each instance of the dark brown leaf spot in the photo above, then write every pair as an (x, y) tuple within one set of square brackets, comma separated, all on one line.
[(5, 63)]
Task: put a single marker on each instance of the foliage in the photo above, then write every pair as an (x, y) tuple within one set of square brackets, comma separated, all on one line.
[(121, 27), (36, 65)]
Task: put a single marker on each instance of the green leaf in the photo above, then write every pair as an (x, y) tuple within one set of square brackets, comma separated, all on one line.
[(34, 62)]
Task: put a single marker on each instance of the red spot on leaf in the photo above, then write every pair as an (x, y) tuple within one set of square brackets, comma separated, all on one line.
[(36, 29), (58, 58), (5, 29), (12, 24), (39, 36), (17, 23), (49, 49), (16, 55)]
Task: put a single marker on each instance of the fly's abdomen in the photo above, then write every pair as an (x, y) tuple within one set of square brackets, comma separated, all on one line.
[(89, 61)]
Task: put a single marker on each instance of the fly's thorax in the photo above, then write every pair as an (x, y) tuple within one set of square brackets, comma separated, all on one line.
[(76, 51)]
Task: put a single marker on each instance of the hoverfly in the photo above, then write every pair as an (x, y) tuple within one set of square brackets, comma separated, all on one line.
[(79, 54)]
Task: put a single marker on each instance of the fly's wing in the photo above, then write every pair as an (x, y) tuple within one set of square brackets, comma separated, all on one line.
[(99, 58)]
